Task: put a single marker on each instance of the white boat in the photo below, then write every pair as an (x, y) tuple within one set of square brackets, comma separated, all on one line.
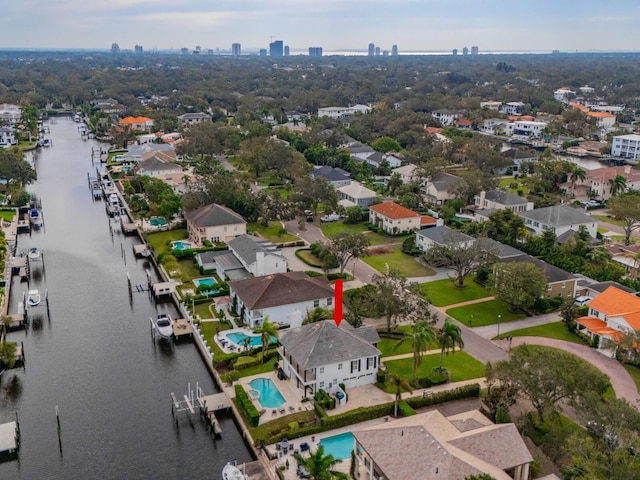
[(33, 254), (163, 326), (33, 298), (35, 218), (114, 200), (231, 472)]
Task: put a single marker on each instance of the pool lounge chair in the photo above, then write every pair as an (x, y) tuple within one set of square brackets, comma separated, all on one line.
[(282, 410)]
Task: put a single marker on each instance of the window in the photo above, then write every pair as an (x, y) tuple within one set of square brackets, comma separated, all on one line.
[(316, 303), (321, 384), (329, 302), (371, 362), (321, 369), (354, 366), (339, 366)]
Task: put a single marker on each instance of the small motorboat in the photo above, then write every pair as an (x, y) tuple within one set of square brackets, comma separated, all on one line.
[(114, 200), (163, 326), (33, 298), (35, 218), (33, 254), (231, 472)]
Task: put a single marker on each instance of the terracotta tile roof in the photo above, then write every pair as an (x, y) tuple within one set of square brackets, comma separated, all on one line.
[(598, 327), (427, 220), (600, 115), (604, 174), (134, 120), (615, 302), (464, 121), (527, 118), (433, 130), (393, 211), (579, 106)]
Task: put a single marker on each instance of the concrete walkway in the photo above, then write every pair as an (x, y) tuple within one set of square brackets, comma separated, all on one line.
[(622, 383), (490, 331)]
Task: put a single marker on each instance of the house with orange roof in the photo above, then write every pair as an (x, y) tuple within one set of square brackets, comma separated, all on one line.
[(138, 124), (579, 106), (395, 219), (612, 314), (464, 124), (603, 119)]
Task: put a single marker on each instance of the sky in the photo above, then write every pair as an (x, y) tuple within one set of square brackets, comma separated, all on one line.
[(413, 25)]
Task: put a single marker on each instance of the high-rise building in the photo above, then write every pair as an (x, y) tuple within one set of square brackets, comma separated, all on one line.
[(315, 51), (286, 50), (184, 50), (455, 52), (276, 49), (385, 53), (198, 50), (394, 50), (377, 51), (372, 49), (263, 52), (474, 50), (115, 48), (236, 49), (465, 51), (137, 49)]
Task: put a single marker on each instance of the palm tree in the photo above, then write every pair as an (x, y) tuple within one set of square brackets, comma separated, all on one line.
[(267, 331), (599, 257), (423, 334), (449, 337), (577, 173), (318, 464), (400, 385), (617, 184)]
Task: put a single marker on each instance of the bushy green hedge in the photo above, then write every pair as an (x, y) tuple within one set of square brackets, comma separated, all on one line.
[(466, 391), (338, 276), (319, 410), (248, 408), (326, 401), (246, 361), (405, 409)]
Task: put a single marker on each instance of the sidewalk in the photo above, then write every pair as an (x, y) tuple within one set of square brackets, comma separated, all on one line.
[(490, 331)]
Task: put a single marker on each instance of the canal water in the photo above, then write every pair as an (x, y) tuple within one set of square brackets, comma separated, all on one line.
[(94, 357)]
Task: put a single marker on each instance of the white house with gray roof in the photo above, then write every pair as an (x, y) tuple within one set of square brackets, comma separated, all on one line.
[(322, 355), (440, 188), (188, 119), (285, 298), (336, 176), (214, 223), (259, 257), (356, 194), (440, 235), (560, 219)]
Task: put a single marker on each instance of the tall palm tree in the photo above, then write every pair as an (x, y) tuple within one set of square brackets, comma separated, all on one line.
[(267, 331), (423, 334), (449, 337), (577, 173), (318, 464), (400, 385), (617, 184)]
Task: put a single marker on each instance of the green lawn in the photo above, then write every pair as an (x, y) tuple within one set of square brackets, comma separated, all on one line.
[(460, 364), (405, 264), (634, 372), (555, 330), (444, 292), (387, 347), (308, 257), (7, 215), (484, 313), (611, 220), (208, 330), (275, 232), (266, 368), (331, 229), (160, 240), (506, 181)]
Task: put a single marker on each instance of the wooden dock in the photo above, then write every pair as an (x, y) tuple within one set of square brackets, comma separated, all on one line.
[(9, 437), (213, 403), (164, 288), (182, 328), (141, 250), (206, 405)]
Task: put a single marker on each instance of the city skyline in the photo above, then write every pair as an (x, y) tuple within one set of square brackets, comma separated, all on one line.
[(413, 25)]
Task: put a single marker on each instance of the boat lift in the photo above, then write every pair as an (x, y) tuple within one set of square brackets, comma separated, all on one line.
[(26, 307), (195, 402)]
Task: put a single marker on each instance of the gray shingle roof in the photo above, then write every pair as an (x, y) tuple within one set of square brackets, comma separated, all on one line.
[(553, 274), (246, 247), (558, 215), (504, 198), (443, 233), (323, 343), (503, 251), (330, 173), (193, 116), (227, 261), (280, 289), (214, 215), (443, 181)]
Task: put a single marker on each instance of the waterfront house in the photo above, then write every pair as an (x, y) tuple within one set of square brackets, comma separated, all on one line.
[(283, 297), (322, 355), (137, 124), (560, 219), (7, 138), (156, 164), (395, 219), (612, 314), (259, 257), (597, 180), (10, 114), (214, 223), (135, 153), (433, 447)]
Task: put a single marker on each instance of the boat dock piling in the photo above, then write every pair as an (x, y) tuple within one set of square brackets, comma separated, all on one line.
[(196, 402)]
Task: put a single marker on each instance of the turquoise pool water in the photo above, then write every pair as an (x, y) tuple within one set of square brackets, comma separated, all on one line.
[(270, 396), (340, 446), (208, 281), (156, 221), (238, 339), (181, 245)]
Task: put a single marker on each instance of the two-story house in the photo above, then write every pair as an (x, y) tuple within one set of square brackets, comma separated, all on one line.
[(396, 219), (356, 194), (259, 257), (7, 138), (446, 117), (214, 223), (285, 298), (189, 119), (493, 200), (322, 355), (560, 219), (336, 176), (440, 188), (440, 235)]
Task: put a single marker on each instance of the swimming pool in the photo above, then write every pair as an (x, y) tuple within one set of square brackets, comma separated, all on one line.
[(181, 245), (270, 396), (208, 281), (239, 337), (156, 221), (340, 446)]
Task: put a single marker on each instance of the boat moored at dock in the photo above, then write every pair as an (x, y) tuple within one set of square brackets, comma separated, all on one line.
[(231, 472), (163, 326)]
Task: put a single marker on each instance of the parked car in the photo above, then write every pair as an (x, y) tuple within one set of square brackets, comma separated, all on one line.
[(333, 217), (581, 301)]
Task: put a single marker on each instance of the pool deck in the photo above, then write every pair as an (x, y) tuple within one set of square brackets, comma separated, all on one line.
[(231, 347)]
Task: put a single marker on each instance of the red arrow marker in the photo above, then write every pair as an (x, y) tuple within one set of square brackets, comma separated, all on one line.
[(337, 309)]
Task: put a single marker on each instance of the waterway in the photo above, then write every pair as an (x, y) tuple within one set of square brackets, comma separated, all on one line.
[(94, 357)]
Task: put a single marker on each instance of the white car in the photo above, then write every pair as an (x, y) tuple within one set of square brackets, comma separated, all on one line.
[(581, 301), (334, 217)]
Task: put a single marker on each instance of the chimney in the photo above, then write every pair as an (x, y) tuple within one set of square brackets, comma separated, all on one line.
[(259, 264), (483, 196)]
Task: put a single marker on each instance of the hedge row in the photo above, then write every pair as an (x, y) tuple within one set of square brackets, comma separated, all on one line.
[(249, 409), (326, 401), (247, 361), (405, 409), (466, 391)]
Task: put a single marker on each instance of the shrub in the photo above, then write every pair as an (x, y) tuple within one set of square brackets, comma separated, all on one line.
[(326, 401), (381, 377), (405, 409), (466, 391), (438, 376), (313, 273), (338, 276), (502, 415), (319, 410), (247, 407)]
